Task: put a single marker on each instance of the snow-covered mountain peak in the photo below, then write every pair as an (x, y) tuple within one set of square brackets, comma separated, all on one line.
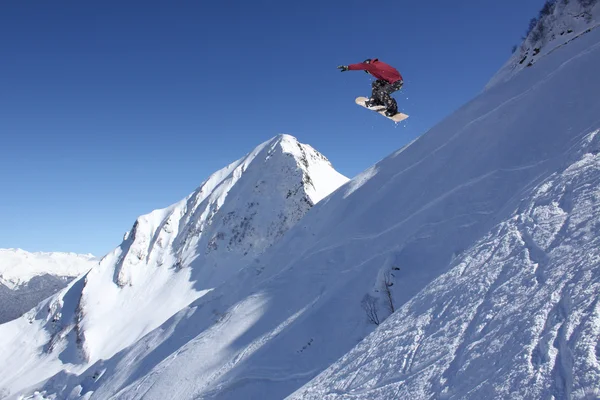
[(173, 256), (236, 213), (318, 173), (185, 250), (558, 23)]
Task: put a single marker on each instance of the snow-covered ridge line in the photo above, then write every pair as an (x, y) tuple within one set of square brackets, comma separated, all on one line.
[(199, 242), (185, 225), (17, 266), (47, 253), (560, 22)]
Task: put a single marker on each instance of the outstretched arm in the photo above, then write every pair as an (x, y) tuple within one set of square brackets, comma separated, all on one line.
[(356, 67)]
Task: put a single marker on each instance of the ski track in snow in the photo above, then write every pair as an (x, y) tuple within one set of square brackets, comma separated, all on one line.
[(559, 309)]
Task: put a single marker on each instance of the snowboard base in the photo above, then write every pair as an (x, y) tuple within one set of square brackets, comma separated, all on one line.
[(380, 110)]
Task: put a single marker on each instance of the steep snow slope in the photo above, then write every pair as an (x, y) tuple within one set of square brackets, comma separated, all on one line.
[(517, 315), (169, 258), (28, 278), (427, 210)]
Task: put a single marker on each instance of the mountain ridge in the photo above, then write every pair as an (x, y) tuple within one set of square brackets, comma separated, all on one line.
[(175, 255)]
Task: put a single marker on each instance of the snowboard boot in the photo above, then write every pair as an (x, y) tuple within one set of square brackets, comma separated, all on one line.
[(391, 107), (372, 103)]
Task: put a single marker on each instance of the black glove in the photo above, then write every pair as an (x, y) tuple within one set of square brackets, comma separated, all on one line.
[(343, 68)]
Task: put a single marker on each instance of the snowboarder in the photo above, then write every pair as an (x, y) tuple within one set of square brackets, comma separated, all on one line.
[(388, 81)]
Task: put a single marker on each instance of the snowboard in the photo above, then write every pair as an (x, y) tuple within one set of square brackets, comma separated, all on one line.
[(380, 110)]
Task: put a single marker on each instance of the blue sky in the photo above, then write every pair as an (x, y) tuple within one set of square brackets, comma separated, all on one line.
[(111, 109)]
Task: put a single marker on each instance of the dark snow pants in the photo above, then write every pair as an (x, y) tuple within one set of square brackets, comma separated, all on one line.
[(381, 94)]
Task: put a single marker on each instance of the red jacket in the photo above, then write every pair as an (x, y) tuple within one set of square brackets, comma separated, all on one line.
[(379, 70)]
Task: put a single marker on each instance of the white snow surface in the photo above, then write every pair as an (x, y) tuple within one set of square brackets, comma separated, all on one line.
[(517, 315), (485, 231), (169, 258)]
